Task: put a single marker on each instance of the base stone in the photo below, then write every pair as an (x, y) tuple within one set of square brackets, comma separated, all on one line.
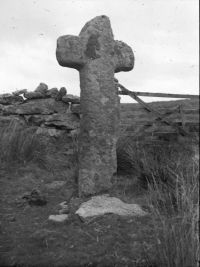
[(104, 204)]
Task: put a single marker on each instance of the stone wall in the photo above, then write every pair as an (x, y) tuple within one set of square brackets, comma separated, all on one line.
[(54, 112)]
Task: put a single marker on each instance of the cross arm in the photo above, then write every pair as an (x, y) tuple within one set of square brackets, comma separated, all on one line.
[(69, 52), (124, 57)]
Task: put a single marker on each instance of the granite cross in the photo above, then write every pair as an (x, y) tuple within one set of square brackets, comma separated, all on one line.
[(97, 56)]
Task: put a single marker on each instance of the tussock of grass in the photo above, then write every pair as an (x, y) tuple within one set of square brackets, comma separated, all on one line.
[(171, 176), (19, 144), (175, 218)]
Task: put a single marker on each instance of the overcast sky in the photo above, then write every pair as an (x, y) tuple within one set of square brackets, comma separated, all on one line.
[(162, 33)]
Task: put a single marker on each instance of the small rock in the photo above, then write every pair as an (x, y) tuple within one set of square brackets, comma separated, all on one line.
[(71, 98), (64, 208), (35, 198), (55, 185), (58, 218), (42, 88), (63, 204)]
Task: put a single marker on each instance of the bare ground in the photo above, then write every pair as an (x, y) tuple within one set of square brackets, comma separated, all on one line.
[(28, 238)]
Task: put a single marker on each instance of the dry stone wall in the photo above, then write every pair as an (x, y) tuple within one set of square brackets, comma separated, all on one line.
[(54, 112), (47, 109)]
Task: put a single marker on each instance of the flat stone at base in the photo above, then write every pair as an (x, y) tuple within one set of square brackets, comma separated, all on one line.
[(104, 204), (58, 218)]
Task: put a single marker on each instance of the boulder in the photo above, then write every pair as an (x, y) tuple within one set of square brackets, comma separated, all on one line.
[(34, 95), (71, 99), (66, 121), (53, 92), (62, 92), (9, 99), (19, 92), (104, 204), (42, 88)]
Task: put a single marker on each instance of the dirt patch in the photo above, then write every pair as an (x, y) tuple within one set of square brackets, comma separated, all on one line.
[(29, 239)]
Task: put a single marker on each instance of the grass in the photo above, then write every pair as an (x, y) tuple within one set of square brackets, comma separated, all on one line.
[(171, 176), (175, 218), (20, 144)]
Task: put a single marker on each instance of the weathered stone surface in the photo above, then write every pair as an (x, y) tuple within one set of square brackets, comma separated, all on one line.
[(60, 218), (36, 120), (104, 204), (34, 95), (62, 92), (9, 99), (53, 92), (75, 108), (42, 88), (97, 56), (37, 106), (67, 121), (71, 99), (19, 92)]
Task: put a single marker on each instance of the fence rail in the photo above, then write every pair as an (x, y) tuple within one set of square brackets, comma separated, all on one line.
[(147, 94), (156, 122)]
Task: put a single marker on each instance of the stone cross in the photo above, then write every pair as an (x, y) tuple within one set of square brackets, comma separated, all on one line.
[(97, 56)]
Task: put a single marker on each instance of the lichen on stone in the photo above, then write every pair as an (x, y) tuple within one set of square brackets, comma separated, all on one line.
[(93, 47)]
